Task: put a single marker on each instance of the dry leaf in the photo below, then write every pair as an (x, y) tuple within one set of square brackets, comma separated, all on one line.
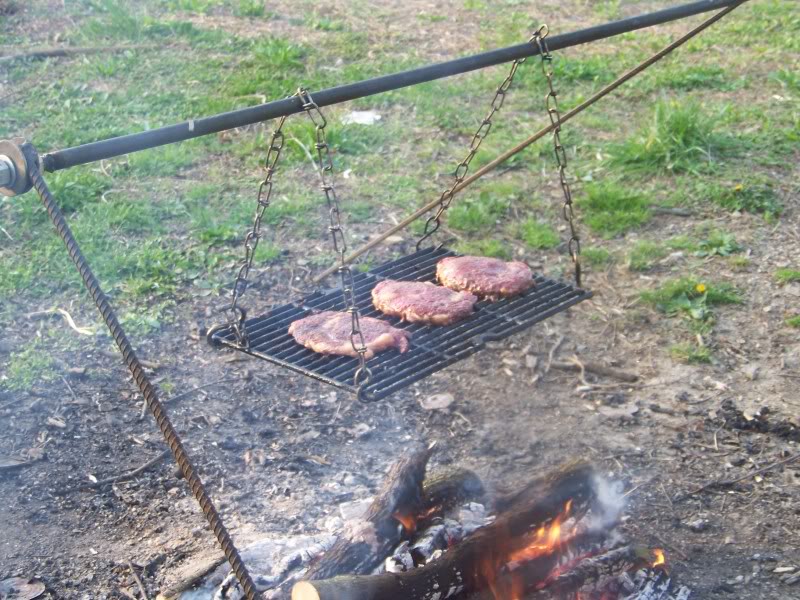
[(437, 401), (56, 422), (11, 462)]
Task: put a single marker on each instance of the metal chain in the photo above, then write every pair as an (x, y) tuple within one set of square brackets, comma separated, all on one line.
[(434, 222), (325, 168), (551, 102), (238, 314)]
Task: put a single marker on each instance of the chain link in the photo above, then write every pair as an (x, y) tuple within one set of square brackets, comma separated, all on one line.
[(325, 168), (238, 314), (433, 223), (551, 103)]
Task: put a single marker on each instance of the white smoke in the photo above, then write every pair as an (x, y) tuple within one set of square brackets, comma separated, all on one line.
[(609, 505)]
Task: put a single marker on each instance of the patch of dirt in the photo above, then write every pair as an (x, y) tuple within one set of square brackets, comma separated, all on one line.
[(279, 452)]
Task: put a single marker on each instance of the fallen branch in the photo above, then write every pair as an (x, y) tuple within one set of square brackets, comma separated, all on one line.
[(596, 368), (190, 575), (59, 52), (731, 482), (668, 210), (117, 478)]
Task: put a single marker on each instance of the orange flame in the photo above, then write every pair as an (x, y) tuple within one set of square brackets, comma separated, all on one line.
[(547, 539), (408, 522), (660, 558)]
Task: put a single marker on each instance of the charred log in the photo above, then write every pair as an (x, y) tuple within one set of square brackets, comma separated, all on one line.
[(473, 564), (443, 492), (366, 542)]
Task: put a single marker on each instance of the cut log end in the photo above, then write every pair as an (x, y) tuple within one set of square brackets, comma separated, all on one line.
[(304, 590)]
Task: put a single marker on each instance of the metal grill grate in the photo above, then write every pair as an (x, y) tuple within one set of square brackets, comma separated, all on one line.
[(432, 348)]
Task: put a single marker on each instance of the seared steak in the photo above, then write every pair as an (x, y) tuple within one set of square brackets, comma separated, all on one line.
[(489, 278), (422, 302), (328, 332)]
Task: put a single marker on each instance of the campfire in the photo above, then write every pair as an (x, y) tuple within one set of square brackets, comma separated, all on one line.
[(442, 537)]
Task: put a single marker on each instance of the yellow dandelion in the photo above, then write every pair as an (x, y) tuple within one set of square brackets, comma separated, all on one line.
[(738, 187), (700, 288)]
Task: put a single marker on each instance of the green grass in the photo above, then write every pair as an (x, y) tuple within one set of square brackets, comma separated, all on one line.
[(690, 353), (610, 210), (680, 137), (690, 297), (28, 367), (643, 254), (597, 257), (718, 243), (477, 214), (787, 275), (755, 196), (537, 235), (793, 321), (487, 247)]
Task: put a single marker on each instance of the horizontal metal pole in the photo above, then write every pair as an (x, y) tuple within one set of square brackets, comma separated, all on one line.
[(86, 153)]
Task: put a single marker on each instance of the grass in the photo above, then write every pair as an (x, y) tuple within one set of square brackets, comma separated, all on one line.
[(28, 367), (537, 235), (643, 254), (690, 297), (165, 226), (787, 275), (682, 137), (487, 247), (718, 243), (609, 209), (754, 195), (793, 321), (597, 257), (473, 215), (691, 353)]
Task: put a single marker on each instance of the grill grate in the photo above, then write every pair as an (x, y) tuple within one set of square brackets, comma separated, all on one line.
[(432, 348)]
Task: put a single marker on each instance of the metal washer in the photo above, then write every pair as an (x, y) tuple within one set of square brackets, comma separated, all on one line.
[(13, 151)]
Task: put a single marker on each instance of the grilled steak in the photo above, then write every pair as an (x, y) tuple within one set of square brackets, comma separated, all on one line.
[(489, 278), (422, 302), (328, 332)]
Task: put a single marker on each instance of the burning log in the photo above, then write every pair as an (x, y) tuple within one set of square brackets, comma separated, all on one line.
[(365, 543), (444, 491), (474, 564)]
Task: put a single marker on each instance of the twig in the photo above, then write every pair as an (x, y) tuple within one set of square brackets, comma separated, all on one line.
[(732, 482), (8, 235), (184, 394), (56, 52), (69, 387), (67, 317), (138, 581), (597, 368), (124, 477), (552, 353)]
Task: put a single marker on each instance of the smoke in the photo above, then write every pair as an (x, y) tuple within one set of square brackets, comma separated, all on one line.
[(609, 504)]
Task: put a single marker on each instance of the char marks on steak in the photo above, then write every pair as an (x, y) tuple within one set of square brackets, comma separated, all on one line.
[(489, 278), (328, 332), (422, 302)]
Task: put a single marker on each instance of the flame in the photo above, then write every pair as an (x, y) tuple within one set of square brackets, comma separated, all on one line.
[(408, 522), (660, 558), (546, 540)]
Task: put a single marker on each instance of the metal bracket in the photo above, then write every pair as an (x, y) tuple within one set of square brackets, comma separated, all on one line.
[(14, 172)]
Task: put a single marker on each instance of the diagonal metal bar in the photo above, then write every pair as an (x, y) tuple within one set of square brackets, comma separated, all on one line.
[(142, 381), (86, 153)]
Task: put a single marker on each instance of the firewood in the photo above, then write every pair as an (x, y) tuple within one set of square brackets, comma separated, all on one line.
[(474, 563), (365, 543), (444, 491)]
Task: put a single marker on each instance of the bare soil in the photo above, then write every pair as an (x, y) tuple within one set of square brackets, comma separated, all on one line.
[(279, 452)]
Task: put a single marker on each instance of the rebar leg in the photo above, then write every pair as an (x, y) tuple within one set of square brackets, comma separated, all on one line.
[(148, 390)]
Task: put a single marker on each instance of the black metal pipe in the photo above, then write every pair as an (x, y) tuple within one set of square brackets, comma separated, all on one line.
[(86, 153)]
